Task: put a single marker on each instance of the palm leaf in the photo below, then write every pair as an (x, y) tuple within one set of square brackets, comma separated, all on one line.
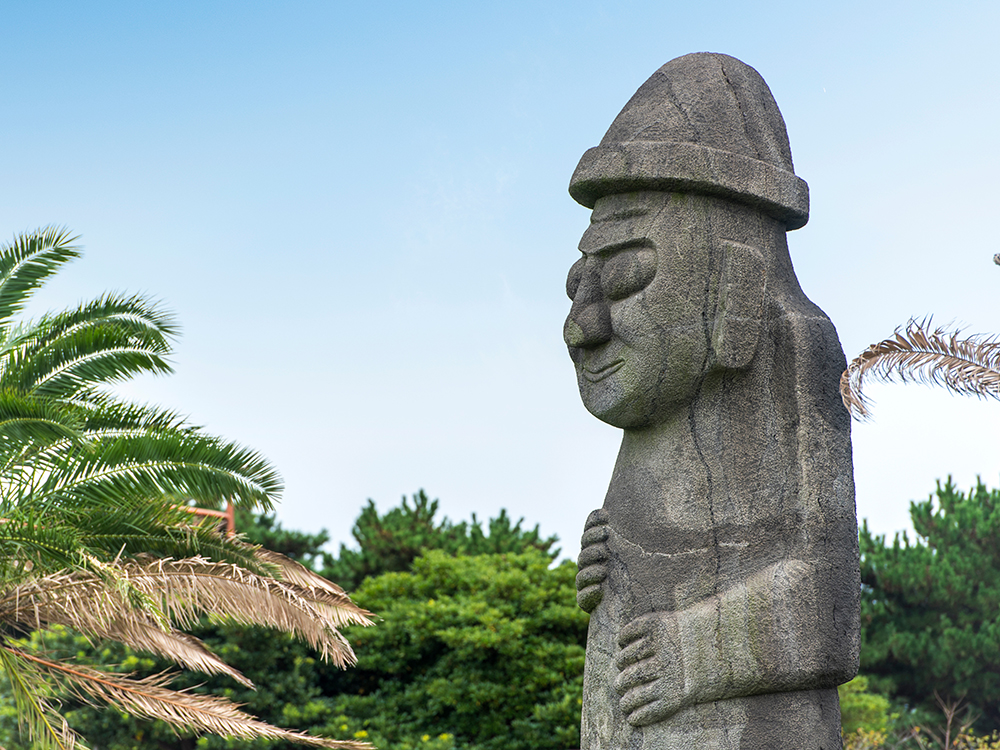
[(94, 533), (145, 466), (112, 338), (199, 586), (967, 366), (178, 542), (136, 316), (105, 415), (26, 263), (297, 573), (85, 604), (25, 419), (46, 728), (33, 544), (181, 591), (87, 356), (139, 316), (150, 698), (53, 539)]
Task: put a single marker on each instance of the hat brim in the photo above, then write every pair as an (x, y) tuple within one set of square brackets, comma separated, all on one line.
[(690, 168)]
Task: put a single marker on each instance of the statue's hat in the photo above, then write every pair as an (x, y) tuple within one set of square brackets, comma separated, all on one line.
[(703, 123)]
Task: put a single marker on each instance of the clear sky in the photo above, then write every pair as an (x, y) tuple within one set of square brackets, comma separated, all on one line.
[(359, 214)]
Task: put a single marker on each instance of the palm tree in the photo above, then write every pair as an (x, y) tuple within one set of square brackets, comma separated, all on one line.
[(95, 532), (969, 366)]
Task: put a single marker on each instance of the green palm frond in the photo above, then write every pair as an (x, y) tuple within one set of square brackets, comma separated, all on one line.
[(54, 538), (87, 356), (38, 432), (44, 543), (33, 543), (28, 420), (141, 317), (110, 339), (966, 366), (26, 263), (106, 416), (136, 317), (144, 467)]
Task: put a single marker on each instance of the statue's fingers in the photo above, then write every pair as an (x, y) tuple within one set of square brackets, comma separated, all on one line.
[(595, 553), (591, 575), (652, 712), (595, 535), (639, 696), (588, 598), (634, 630), (636, 650), (598, 517), (643, 672)]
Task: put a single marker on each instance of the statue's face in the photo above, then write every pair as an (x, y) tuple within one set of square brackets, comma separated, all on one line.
[(640, 325)]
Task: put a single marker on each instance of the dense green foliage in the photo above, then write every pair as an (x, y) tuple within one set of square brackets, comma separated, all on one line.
[(931, 608), (861, 708), (489, 648), (392, 541)]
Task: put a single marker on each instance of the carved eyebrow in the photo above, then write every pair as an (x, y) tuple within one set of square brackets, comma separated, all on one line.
[(621, 211), (610, 248)]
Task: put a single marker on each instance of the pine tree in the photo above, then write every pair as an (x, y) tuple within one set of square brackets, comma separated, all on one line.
[(931, 608), (392, 541)]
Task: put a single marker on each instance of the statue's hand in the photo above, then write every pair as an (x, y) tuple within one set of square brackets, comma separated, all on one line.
[(649, 681), (593, 561)]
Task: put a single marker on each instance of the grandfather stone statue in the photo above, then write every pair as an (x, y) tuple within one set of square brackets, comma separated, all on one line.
[(722, 572)]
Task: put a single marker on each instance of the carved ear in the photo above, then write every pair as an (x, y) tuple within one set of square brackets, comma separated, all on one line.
[(738, 319)]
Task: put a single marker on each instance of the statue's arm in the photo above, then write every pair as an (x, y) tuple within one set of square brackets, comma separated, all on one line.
[(789, 627)]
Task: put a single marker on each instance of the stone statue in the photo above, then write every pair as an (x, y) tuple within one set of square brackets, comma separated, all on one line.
[(722, 571)]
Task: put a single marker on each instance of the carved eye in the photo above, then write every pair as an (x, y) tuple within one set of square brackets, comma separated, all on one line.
[(574, 278), (628, 272)]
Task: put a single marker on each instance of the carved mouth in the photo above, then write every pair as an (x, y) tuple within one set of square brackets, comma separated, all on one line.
[(595, 375)]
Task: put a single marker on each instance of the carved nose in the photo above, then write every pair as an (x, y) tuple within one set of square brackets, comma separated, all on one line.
[(588, 325)]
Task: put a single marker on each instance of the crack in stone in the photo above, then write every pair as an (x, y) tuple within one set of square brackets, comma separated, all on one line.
[(739, 108), (668, 555)]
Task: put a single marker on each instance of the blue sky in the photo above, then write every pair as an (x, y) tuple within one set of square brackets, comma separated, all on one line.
[(358, 212)]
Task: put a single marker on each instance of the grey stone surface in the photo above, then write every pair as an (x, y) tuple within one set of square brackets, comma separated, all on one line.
[(722, 571)]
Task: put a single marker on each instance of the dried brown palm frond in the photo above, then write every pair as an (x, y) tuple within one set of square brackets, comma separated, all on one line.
[(200, 586), (327, 595), (181, 648), (968, 366), (36, 714), (80, 601), (138, 601), (183, 591), (150, 698), (297, 573)]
